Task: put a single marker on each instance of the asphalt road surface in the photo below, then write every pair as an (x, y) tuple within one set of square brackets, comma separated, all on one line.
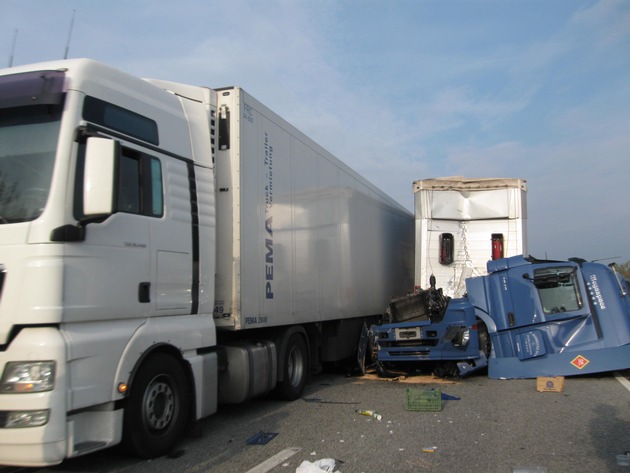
[(494, 426)]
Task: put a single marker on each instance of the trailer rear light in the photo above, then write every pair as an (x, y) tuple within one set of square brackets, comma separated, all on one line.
[(28, 377), (21, 419), (447, 244)]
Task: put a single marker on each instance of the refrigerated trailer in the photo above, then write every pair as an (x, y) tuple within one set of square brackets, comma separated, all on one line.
[(462, 223), (167, 247)]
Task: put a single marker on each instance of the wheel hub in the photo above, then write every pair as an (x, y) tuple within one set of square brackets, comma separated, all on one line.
[(159, 405)]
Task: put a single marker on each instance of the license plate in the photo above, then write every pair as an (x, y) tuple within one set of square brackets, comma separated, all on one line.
[(410, 333)]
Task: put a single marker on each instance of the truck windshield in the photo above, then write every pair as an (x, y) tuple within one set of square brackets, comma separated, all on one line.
[(558, 289), (28, 139)]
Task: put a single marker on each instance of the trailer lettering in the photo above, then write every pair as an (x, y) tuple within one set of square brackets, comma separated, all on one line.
[(268, 167), (269, 260), (260, 320), (248, 113)]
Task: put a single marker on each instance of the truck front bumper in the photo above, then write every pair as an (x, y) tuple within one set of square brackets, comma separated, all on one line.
[(46, 444)]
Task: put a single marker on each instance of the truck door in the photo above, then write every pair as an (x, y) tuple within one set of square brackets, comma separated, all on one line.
[(108, 275), (512, 297), (132, 264), (142, 252)]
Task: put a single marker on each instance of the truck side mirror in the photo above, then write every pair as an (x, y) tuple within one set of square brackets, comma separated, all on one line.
[(98, 180)]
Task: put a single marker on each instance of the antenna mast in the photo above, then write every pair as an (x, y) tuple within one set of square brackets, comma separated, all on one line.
[(69, 35), (13, 48)]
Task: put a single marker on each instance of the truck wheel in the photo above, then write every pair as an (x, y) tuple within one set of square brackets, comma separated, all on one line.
[(485, 344), (295, 368), (157, 411)]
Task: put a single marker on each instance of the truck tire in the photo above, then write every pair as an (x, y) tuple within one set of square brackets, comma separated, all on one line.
[(157, 411), (485, 344), (295, 366)]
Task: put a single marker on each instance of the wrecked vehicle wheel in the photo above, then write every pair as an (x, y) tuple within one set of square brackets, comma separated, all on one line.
[(446, 369), (485, 345)]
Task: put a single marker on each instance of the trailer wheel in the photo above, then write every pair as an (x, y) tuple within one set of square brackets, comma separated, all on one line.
[(485, 345), (295, 366), (157, 411)]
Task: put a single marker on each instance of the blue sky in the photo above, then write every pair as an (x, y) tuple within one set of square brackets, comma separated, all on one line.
[(401, 90)]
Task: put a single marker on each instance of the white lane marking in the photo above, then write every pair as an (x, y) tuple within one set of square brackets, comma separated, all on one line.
[(274, 461), (623, 380)]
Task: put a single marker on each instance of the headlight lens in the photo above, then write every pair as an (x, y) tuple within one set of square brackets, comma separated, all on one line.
[(21, 419), (28, 377), (462, 338)]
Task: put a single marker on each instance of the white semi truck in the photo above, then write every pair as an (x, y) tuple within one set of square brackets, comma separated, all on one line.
[(462, 223), (165, 248)]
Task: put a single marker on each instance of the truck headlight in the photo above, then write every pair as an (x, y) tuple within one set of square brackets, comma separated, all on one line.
[(28, 377), (462, 338)]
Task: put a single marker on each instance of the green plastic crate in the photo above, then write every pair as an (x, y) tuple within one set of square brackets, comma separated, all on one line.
[(428, 400)]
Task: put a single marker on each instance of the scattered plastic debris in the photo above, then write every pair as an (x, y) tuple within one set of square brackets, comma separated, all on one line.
[(326, 465), (624, 459), (448, 397), (261, 438), (369, 413), (423, 399)]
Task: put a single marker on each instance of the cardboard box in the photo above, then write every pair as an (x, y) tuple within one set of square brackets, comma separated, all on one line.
[(546, 384)]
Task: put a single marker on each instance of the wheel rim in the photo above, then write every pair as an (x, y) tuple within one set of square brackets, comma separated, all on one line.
[(159, 404), (295, 366)]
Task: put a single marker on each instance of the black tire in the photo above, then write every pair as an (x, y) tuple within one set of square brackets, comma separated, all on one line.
[(446, 369), (158, 407), (485, 344), (296, 369)]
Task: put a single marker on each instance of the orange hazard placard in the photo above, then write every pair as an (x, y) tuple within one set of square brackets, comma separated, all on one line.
[(579, 362)]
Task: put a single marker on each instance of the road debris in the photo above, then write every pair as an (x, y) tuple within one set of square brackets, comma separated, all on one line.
[(623, 459), (448, 397), (261, 438), (369, 413), (325, 465)]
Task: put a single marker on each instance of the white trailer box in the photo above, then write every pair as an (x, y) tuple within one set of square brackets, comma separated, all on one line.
[(462, 223), (301, 236)]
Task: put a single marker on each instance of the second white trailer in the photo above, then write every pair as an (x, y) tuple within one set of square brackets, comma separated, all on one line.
[(461, 223)]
